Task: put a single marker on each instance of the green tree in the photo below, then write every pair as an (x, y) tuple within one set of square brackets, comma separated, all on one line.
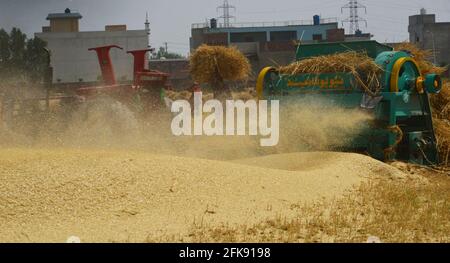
[(5, 53), (163, 53), (17, 47), (21, 58), (35, 59)]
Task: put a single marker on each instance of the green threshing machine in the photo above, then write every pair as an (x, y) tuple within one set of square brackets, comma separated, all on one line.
[(402, 128)]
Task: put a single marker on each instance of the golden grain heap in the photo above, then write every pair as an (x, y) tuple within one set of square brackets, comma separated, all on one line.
[(364, 68), (212, 64)]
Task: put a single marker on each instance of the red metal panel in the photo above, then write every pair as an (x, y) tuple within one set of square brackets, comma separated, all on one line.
[(105, 62), (154, 77), (139, 60)]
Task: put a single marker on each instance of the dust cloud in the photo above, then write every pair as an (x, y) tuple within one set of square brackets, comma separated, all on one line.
[(320, 125), (105, 123)]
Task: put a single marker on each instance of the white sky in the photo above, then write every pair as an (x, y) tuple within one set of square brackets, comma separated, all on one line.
[(171, 19)]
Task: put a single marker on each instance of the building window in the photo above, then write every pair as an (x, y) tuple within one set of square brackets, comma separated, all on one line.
[(317, 37), (283, 35), (249, 39)]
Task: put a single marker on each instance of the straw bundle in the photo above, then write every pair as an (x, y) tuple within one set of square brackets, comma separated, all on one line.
[(178, 95), (422, 57), (441, 102), (364, 68), (441, 113), (187, 95), (215, 64), (442, 129)]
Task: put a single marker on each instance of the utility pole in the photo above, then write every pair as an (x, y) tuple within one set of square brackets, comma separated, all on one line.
[(148, 30), (354, 17), (226, 16), (147, 25), (166, 47)]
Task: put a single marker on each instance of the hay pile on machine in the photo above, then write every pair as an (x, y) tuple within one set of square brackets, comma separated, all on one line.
[(217, 64), (389, 84)]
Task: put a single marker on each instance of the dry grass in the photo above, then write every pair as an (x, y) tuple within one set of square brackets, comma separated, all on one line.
[(178, 95), (341, 62), (364, 68), (210, 64), (441, 102), (441, 118), (247, 94), (422, 57), (442, 130), (415, 210)]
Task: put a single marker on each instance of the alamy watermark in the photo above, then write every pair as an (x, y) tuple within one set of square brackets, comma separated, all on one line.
[(227, 120)]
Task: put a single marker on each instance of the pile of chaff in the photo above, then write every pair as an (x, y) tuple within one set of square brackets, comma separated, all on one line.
[(216, 64), (441, 117), (363, 68), (422, 57)]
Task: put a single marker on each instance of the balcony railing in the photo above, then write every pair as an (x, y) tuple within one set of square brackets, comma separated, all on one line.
[(266, 24)]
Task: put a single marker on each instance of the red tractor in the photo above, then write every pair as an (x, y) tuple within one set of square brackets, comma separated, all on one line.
[(146, 87)]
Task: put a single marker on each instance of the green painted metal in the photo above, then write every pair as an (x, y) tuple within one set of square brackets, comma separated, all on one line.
[(323, 82), (433, 83), (386, 61), (407, 108)]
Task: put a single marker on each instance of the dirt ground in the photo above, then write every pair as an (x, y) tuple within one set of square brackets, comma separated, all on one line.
[(114, 196)]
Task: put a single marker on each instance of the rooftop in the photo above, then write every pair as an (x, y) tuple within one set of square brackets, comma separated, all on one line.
[(67, 14), (267, 24)]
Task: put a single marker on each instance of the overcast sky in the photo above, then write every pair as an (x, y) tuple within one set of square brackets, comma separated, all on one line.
[(171, 19)]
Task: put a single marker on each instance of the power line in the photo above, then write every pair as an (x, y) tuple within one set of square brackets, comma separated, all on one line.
[(226, 7), (354, 18), (303, 9), (397, 5)]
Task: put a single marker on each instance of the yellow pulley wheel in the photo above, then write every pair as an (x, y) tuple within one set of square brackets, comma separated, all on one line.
[(396, 71), (262, 80), (420, 85)]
